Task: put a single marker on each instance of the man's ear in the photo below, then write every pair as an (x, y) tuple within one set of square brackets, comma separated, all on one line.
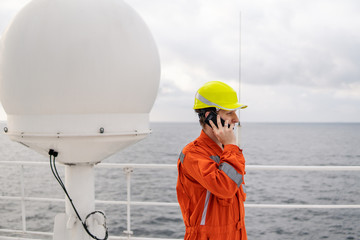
[(207, 114)]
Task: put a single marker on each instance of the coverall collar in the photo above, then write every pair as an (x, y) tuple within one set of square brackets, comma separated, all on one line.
[(211, 144)]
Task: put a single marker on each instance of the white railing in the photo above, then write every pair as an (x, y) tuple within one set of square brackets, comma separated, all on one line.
[(129, 168)]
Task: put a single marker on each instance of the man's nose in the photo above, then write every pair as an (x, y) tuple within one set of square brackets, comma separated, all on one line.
[(235, 118)]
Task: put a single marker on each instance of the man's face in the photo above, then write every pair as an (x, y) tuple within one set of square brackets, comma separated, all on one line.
[(229, 115)]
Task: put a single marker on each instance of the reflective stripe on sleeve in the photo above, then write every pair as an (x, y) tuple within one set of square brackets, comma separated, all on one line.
[(231, 173), (203, 218), (181, 157), (215, 158)]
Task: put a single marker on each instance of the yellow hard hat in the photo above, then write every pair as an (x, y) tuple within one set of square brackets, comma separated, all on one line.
[(217, 94)]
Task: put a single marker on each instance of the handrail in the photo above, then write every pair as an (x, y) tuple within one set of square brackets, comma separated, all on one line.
[(303, 168), (248, 167), (129, 167)]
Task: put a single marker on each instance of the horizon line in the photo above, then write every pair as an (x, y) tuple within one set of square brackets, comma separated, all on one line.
[(245, 122)]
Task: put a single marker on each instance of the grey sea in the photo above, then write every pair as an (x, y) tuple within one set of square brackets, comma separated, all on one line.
[(304, 144)]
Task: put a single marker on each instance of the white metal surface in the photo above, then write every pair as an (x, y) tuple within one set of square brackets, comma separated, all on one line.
[(71, 67), (79, 77), (128, 171), (80, 186), (80, 182), (23, 217)]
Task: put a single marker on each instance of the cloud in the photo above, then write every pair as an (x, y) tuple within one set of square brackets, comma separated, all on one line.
[(297, 57), (290, 103), (351, 92), (314, 44), (306, 43), (201, 34)]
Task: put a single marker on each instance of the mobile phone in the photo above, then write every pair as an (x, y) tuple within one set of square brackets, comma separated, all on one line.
[(213, 117)]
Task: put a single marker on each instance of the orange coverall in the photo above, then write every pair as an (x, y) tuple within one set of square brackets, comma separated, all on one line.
[(209, 190)]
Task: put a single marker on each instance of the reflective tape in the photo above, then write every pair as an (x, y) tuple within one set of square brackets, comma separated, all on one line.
[(181, 157), (207, 102), (207, 199), (231, 173), (215, 158)]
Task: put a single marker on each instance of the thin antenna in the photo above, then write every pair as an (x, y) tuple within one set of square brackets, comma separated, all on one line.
[(239, 94), (238, 129)]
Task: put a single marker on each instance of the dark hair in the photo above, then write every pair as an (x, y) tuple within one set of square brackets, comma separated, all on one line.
[(201, 113)]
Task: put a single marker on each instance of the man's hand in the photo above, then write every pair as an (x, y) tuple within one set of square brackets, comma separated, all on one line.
[(224, 134)]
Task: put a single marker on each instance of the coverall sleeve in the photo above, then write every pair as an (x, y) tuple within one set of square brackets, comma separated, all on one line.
[(221, 179)]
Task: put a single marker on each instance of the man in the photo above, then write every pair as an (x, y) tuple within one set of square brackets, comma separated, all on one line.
[(211, 170)]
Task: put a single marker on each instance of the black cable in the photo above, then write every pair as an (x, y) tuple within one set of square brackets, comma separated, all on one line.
[(53, 154), (57, 176)]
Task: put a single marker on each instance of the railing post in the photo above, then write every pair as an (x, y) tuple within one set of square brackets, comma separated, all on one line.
[(128, 172), (23, 212)]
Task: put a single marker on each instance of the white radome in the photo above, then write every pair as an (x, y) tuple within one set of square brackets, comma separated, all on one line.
[(79, 77)]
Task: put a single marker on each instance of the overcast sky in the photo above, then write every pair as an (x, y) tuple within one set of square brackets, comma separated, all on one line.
[(300, 60)]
